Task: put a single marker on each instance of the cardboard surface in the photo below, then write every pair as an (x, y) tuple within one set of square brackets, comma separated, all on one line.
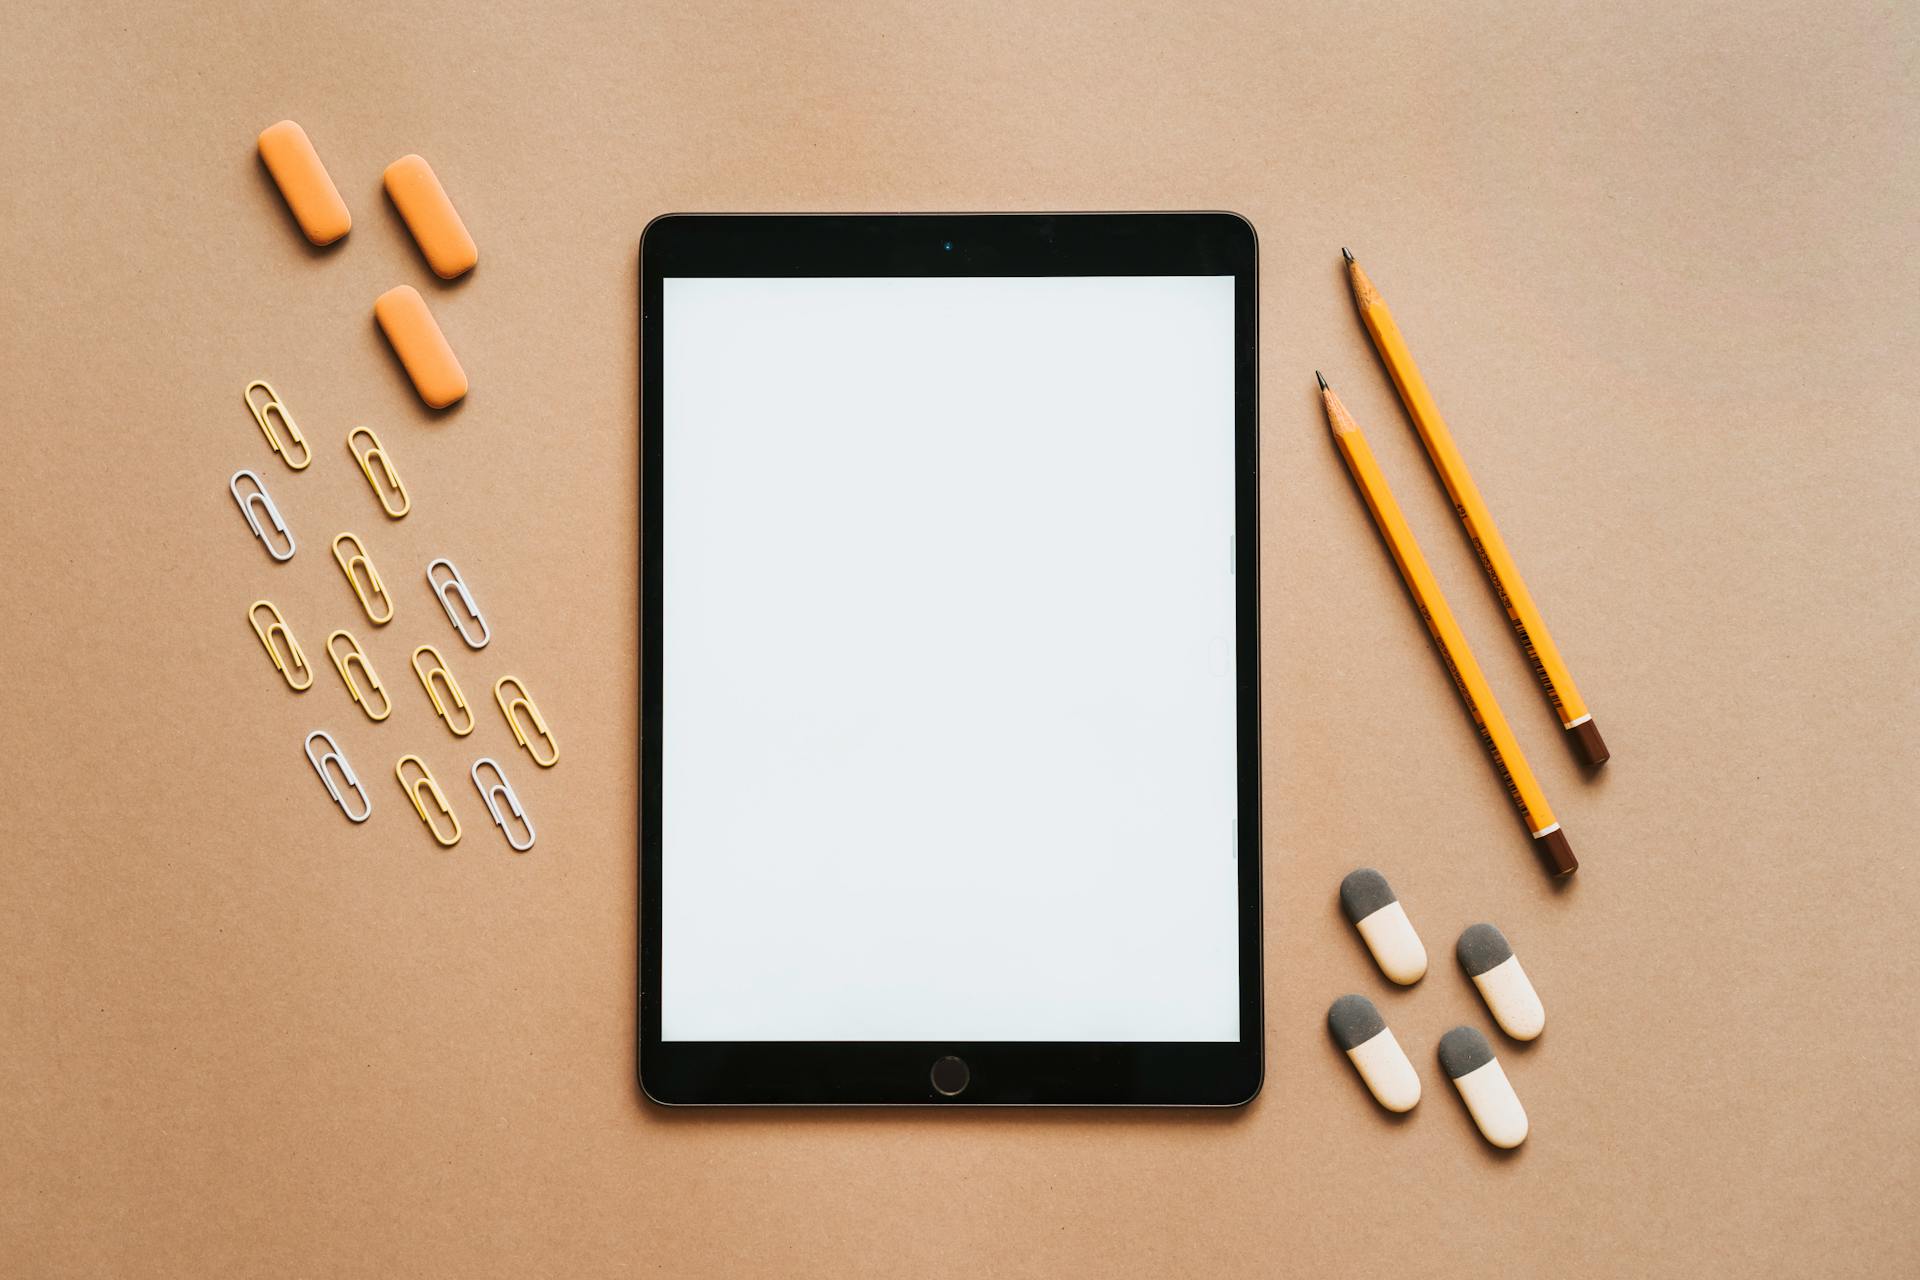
[(1656, 266)]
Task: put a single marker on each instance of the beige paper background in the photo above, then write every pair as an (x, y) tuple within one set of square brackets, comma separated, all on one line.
[(1657, 264)]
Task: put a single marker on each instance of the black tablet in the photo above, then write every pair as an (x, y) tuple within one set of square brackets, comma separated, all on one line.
[(950, 750)]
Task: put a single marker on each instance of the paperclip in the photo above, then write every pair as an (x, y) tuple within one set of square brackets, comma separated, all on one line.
[(374, 590), (502, 788), (261, 499), (509, 707), (459, 586), (426, 780), (278, 626), (272, 407), (366, 459), (439, 668), (355, 655), (346, 775)]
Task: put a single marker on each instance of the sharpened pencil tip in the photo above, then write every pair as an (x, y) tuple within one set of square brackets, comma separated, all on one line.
[(1322, 381), (1346, 253)]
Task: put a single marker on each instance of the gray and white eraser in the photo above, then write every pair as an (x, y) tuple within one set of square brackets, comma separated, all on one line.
[(1364, 892), (1368, 1042), (1463, 1051), (1489, 960), (1375, 910), (1482, 1082)]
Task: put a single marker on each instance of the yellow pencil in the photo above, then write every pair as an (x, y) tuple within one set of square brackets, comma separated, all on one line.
[(1583, 734), (1549, 839)]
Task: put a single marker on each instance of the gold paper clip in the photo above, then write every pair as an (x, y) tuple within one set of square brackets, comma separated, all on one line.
[(373, 591), (426, 780), (493, 793), (332, 756), (366, 458), (439, 668), (509, 707), (356, 656), (458, 586), (295, 663), (263, 411), (255, 501)]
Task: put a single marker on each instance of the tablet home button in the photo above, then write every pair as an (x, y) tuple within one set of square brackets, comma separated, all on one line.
[(950, 1076)]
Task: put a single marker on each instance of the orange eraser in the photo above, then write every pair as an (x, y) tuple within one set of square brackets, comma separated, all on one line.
[(422, 348), (435, 224), (304, 183)]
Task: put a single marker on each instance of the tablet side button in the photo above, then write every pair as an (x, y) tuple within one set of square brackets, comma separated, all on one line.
[(949, 1076)]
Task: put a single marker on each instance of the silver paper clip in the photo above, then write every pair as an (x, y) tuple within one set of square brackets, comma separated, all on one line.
[(492, 793), (458, 586), (260, 500), (332, 753)]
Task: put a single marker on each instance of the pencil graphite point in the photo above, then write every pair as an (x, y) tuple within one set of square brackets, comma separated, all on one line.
[(1322, 381), (1346, 253)]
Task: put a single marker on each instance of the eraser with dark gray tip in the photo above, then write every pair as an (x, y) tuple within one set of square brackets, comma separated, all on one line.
[(1354, 1021), (1370, 903), (1482, 1083), (1462, 1050), (1368, 1042), (1480, 948), (1502, 982), (1364, 892)]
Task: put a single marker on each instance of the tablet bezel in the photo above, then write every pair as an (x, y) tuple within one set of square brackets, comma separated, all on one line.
[(1066, 1073)]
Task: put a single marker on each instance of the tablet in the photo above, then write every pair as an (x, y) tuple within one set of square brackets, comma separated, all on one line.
[(950, 778)]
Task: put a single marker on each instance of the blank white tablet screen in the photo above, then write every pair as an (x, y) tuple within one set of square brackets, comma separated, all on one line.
[(948, 694)]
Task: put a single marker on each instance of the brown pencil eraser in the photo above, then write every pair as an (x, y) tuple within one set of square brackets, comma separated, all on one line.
[(416, 192), (1558, 853), (422, 348), (304, 182), (1588, 744)]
